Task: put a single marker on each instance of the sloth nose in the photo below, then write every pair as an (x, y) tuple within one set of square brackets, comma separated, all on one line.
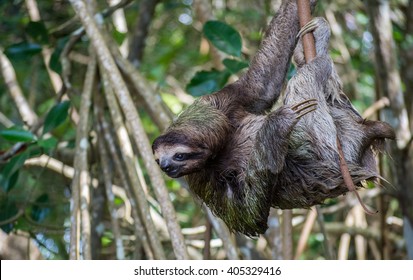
[(165, 166)]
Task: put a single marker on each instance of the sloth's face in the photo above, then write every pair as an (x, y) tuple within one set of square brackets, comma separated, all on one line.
[(178, 160)]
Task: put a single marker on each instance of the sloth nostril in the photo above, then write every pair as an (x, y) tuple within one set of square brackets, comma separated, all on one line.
[(165, 166)]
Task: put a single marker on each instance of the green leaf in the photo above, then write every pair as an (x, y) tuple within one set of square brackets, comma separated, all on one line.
[(54, 63), (223, 37), (8, 209), (23, 48), (37, 30), (234, 66), (119, 36), (39, 211), (56, 116), (106, 241), (206, 82), (17, 134), (9, 172), (48, 143)]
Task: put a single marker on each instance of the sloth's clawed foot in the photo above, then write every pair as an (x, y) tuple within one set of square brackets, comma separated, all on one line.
[(309, 27), (312, 25), (304, 107)]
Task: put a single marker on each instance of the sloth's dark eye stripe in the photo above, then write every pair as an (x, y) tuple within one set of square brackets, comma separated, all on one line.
[(194, 155)]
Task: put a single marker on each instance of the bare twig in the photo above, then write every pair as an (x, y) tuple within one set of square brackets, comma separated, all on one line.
[(179, 91), (287, 234), (360, 241), (119, 21), (107, 174), (80, 185), (305, 233), (128, 157), (72, 25), (335, 228), (375, 107), (350, 75), (13, 218), (27, 114), (65, 170), (223, 232), (345, 238), (203, 12), (153, 101), (273, 235), (34, 15), (140, 31), (134, 188), (138, 132), (207, 238), (327, 247), (5, 121)]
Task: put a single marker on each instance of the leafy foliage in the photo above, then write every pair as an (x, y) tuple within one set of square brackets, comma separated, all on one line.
[(175, 51), (223, 37), (56, 116), (206, 82), (23, 49), (17, 134), (228, 40)]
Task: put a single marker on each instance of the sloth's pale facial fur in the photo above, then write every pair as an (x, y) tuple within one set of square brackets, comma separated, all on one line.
[(178, 160)]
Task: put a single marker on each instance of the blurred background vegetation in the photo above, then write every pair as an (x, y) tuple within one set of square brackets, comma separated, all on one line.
[(78, 181)]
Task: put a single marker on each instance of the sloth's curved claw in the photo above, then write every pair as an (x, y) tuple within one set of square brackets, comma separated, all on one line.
[(305, 107), (309, 27), (305, 112)]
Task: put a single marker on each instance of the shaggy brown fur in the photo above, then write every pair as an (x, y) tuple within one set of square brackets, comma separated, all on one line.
[(222, 129), (312, 163), (241, 159)]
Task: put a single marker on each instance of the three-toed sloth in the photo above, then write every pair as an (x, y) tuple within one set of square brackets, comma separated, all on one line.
[(241, 157)]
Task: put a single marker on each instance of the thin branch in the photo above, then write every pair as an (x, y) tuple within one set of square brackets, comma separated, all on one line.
[(375, 107), (287, 234), (72, 25), (305, 233), (218, 225), (273, 235), (12, 151), (350, 75), (223, 232), (360, 241), (64, 170), (345, 239), (203, 13), (34, 15), (137, 130), (119, 22), (5, 121), (107, 174), (80, 185), (179, 91), (27, 114), (125, 146), (327, 247), (153, 101), (13, 218), (139, 230), (207, 238), (368, 232), (140, 31)]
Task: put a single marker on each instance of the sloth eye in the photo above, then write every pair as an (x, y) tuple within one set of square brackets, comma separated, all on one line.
[(180, 157)]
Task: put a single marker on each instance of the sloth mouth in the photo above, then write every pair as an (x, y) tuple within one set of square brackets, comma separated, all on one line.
[(173, 173)]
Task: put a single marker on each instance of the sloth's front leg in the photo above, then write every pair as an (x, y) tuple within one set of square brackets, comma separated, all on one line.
[(272, 139)]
